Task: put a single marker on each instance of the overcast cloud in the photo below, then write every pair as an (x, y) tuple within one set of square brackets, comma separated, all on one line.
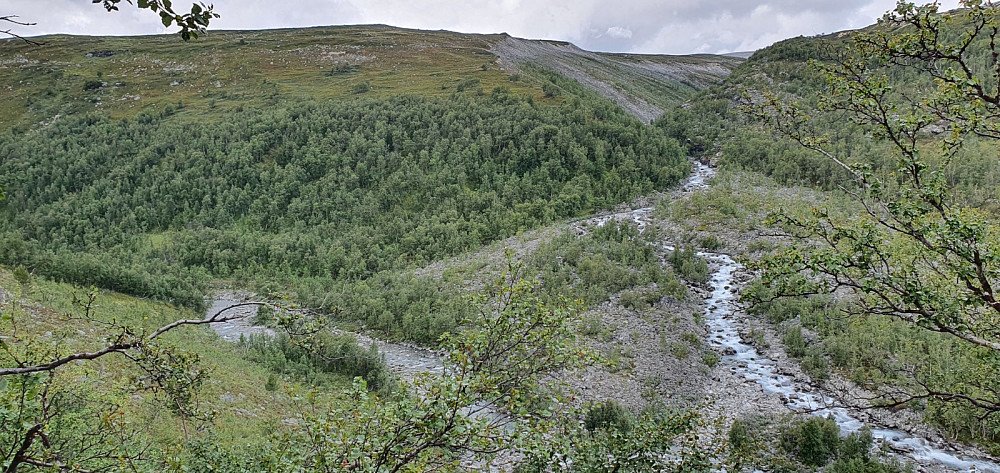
[(643, 26)]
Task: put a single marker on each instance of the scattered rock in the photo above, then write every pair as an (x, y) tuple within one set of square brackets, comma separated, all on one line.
[(100, 54)]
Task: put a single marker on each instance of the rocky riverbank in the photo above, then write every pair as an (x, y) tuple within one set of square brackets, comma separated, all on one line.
[(686, 352)]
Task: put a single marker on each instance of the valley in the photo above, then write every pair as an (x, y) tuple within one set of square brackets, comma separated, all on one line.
[(438, 251), (744, 382)]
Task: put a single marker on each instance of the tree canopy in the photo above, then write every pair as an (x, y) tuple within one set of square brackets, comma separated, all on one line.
[(335, 190), (191, 23)]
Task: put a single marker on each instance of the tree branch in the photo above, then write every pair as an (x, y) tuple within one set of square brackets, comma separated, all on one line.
[(127, 341), (11, 33)]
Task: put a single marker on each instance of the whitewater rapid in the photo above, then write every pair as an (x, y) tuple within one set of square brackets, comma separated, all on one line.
[(744, 360)]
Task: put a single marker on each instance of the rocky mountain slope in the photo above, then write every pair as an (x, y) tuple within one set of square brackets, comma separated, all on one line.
[(643, 84)]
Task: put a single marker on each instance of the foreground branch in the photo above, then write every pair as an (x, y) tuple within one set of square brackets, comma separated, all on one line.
[(127, 341), (12, 34)]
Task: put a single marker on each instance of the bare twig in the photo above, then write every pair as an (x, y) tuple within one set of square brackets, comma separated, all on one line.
[(11, 33)]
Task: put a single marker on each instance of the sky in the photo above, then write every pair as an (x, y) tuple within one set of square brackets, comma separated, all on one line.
[(638, 26)]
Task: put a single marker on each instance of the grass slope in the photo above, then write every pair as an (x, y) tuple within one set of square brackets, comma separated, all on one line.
[(227, 70), (224, 70), (243, 410)]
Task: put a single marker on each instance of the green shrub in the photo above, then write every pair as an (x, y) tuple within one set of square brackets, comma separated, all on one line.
[(839, 351), (638, 300), (680, 351), (812, 311), (619, 359), (467, 84), (794, 341), (632, 300), (342, 69), (361, 87), (740, 437), (264, 315), (710, 243), (857, 445), (610, 259), (756, 246), (324, 353), (608, 415), (590, 326), (22, 276), (816, 366), (710, 359), (689, 265), (691, 339), (813, 441), (757, 339), (551, 90), (854, 455)]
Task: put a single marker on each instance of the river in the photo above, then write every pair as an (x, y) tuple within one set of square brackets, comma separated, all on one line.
[(723, 321)]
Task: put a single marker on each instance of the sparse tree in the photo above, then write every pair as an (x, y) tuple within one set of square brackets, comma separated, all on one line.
[(916, 252)]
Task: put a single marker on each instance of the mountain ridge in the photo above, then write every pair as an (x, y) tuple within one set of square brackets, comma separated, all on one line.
[(229, 69)]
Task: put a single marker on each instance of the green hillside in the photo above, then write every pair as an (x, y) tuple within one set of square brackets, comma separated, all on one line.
[(308, 158), (327, 163), (229, 70), (226, 71), (713, 127), (241, 397)]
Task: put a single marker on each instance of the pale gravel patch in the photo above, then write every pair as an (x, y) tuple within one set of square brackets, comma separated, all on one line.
[(603, 73)]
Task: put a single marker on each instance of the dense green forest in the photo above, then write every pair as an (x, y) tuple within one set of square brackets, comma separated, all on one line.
[(157, 205)]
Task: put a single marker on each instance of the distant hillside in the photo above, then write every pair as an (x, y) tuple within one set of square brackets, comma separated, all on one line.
[(227, 70), (711, 125), (643, 84)]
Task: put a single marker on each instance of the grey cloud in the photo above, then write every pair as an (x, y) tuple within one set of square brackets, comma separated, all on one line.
[(619, 32), (649, 26)]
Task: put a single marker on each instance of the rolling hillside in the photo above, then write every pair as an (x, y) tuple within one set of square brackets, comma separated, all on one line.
[(226, 70)]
